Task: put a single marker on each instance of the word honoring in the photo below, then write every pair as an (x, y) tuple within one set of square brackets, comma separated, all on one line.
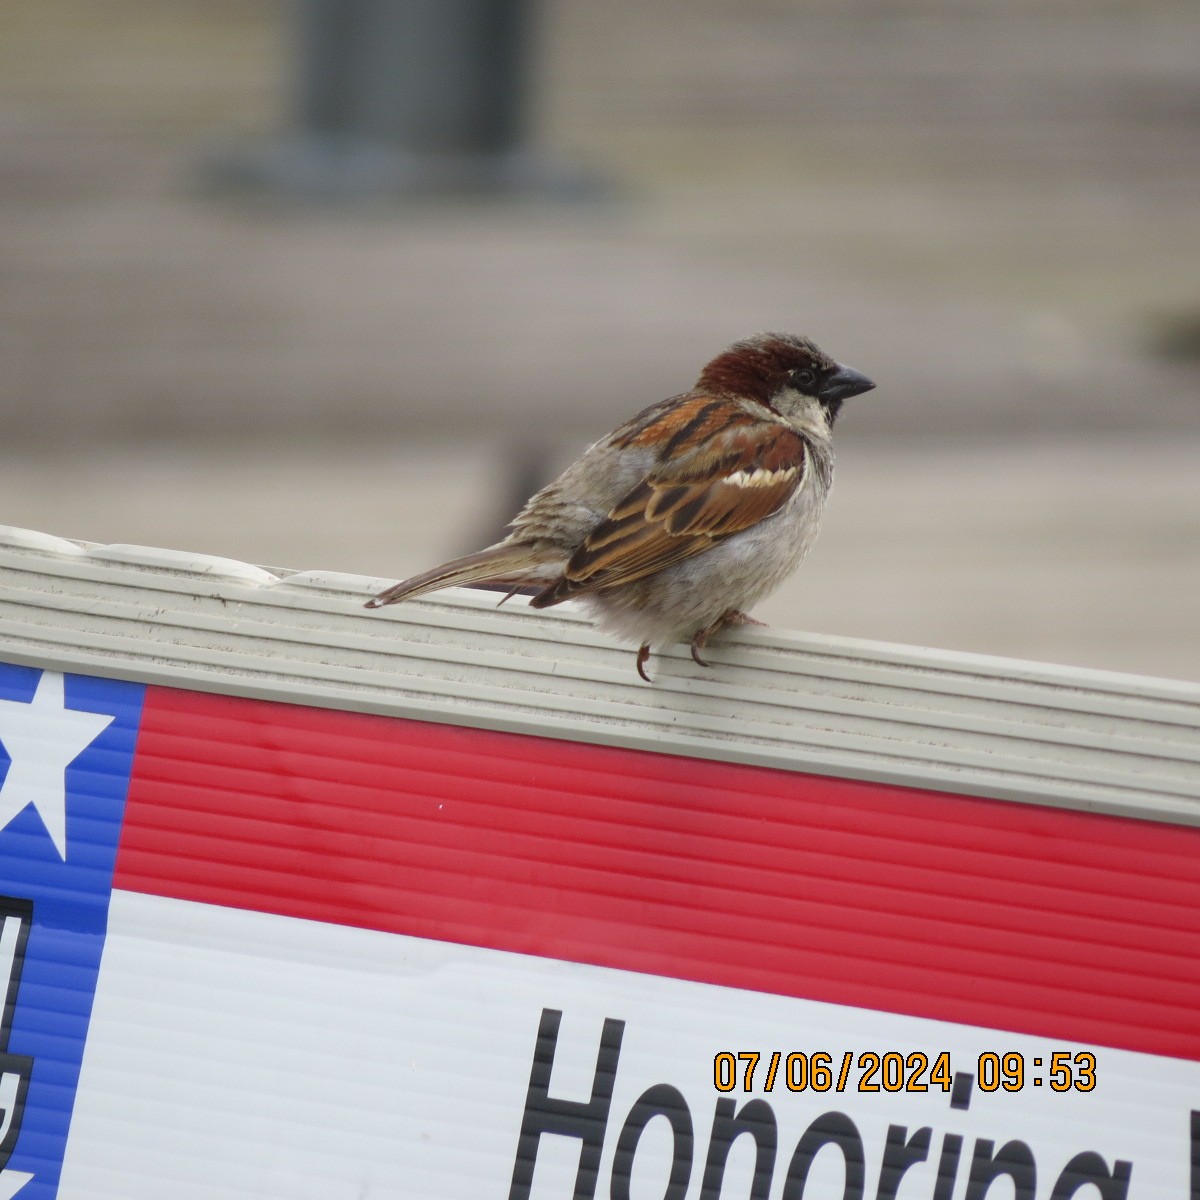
[(869, 1170)]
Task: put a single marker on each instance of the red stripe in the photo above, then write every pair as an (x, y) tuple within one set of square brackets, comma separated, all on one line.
[(979, 912)]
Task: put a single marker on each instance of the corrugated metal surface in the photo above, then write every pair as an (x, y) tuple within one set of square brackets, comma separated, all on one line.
[(978, 912), (958, 722)]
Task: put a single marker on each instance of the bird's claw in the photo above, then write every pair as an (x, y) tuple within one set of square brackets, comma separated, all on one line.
[(643, 655)]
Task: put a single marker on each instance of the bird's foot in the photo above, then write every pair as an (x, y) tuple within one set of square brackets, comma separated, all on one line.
[(643, 655), (735, 616), (700, 639), (729, 618)]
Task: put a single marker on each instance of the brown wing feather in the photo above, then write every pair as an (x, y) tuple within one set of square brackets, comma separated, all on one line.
[(747, 471)]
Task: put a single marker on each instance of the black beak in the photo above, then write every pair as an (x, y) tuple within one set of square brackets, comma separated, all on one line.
[(844, 383)]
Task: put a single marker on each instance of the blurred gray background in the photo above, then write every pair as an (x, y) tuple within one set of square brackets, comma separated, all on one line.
[(992, 207)]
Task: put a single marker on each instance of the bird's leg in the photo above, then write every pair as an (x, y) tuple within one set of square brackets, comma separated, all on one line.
[(643, 655), (731, 616)]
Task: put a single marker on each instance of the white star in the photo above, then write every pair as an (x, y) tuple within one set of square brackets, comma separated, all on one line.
[(41, 738), (11, 1182)]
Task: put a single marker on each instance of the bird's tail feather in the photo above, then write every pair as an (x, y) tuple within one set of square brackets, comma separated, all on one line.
[(513, 565)]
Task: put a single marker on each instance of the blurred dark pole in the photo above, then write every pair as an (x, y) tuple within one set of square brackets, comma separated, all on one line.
[(426, 76), (407, 98)]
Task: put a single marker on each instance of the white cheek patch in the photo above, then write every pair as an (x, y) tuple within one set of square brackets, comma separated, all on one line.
[(760, 477)]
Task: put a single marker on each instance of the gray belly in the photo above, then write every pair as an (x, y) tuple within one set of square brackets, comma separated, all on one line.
[(672, 605)]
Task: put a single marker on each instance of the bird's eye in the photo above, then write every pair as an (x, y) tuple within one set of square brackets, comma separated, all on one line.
[(804, 377)]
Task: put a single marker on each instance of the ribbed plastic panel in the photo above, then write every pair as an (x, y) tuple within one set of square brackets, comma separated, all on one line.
[(860, 710), (1033, 920)]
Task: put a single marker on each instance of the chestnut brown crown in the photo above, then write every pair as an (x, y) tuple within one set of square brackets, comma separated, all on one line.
[(760, 367)]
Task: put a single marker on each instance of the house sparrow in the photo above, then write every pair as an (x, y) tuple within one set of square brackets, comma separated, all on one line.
[(687, 514)]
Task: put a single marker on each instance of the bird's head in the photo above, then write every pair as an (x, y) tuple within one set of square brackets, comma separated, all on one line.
[(780, 368)]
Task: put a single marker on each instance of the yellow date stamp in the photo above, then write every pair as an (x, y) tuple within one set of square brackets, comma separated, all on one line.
[(893, 1071)]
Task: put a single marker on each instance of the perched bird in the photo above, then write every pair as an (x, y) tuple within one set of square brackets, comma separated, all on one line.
[(687, 514)]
